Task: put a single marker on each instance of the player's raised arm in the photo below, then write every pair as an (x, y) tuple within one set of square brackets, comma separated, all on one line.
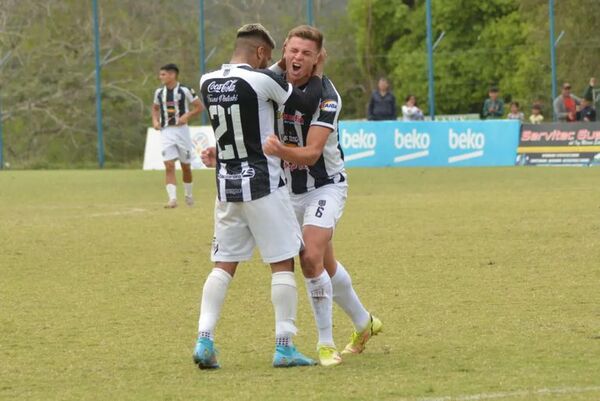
[(308, 100), (277, 89)]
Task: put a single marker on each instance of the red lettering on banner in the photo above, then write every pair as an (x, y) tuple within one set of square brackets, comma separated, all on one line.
[(552, 136), (558, 135), (587, 135)]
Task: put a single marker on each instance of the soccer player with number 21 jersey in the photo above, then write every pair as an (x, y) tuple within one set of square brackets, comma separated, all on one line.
[(253, 206)]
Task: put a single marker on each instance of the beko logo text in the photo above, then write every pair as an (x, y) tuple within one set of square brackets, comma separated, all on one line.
[(412, 140), (466, 140), (359, 140)]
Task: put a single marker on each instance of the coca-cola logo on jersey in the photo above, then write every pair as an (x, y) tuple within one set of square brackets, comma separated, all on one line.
[(228, 86)]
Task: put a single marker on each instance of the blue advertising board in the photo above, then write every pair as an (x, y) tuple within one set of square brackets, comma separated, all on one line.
[(444, 143)]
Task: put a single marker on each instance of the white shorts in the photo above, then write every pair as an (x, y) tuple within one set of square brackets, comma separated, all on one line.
[(177, 144), (268, 222), (322, 207)]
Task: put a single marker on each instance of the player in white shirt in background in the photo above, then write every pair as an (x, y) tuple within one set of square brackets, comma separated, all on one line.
[(171, 112)]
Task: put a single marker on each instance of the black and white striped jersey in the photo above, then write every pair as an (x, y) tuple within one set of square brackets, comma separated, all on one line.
[(293, 131), (242, 102), (173, 103)]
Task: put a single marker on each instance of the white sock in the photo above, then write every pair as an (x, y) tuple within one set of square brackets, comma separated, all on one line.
[(320, 294), (187, 186), (345, 296), (213, 296), (172, 191), (284, 296)]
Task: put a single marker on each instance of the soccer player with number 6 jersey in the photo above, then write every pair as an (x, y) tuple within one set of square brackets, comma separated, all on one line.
[(314, 166)]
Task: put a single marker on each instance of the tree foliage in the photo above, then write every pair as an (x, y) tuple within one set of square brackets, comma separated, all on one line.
[(485, 43)]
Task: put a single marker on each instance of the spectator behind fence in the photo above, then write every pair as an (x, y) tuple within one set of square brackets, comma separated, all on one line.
[(587, 112), (536, 116), (410, 110), (565, 105), (382, 105), (515, 113), (589, 92), (493, 107)]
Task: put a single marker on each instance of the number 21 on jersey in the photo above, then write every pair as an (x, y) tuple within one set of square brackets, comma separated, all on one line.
[(231, 129)]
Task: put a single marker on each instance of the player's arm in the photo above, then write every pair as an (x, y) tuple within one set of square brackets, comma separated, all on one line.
[(156, 112), (196, 108), (304, 156), (308, 100), (209, 156), (278, 67), (156, 117)]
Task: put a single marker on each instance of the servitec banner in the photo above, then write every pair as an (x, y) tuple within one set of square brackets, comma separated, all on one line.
[(559, 144)]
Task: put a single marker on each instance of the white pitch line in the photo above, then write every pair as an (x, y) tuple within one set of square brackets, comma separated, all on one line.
[(411, 156), (515, 393), (119, 212), (360, 155), (466, 156)]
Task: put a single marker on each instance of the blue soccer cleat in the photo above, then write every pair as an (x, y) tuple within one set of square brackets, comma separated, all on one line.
[(288, 356), (205, 354)]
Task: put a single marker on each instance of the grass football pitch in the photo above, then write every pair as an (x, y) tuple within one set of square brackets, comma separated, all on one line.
[(487, 281)]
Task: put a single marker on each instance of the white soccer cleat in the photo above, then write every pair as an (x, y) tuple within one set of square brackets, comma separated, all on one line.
[(171, 204), (189, 200)]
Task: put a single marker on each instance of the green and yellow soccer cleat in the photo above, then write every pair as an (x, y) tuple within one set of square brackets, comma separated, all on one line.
[(359, 340), (328, 355)]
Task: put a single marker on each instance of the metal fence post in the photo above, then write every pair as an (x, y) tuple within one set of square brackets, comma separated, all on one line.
[(309, 13), (202, 52), (552, 53), (1, 137), (98, 86), (430, 61)]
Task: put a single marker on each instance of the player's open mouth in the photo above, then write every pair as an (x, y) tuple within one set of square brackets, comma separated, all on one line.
[(296, 67)]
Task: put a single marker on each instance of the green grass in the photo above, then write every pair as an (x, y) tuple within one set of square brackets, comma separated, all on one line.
[(487, 281)]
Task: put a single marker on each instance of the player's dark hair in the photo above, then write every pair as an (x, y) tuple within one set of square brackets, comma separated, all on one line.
[(408, 98), (257, 32), (494, 89), (307, 32), (515, 104), (170, 67)]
